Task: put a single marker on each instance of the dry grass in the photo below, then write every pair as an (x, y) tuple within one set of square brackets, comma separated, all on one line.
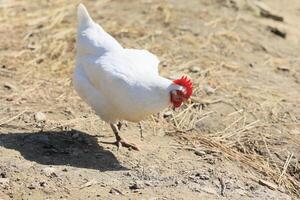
[(251, 117)]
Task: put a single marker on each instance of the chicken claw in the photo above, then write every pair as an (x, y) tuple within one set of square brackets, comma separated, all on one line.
[(123, 143), (120, 141)]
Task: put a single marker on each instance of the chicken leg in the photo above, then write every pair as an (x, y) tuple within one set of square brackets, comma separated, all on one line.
[(119, 140)]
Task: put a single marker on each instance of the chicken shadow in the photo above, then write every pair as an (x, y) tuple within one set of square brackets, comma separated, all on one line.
[(71, 148)]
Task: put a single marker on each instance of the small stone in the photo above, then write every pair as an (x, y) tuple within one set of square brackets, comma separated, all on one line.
[(4, 181), (3, 175), (283, 68), (115, 191), (268, 184), (102, 184), (40, 60), (194, 69), (127, 174), (208, 90), (184, 182), (210, 160), (43, 183), (40, 117), (49, 171), (31, 186), (137, 185), (277, 32), (64, 169), (253, 187), (88, 184), (9, 86), (26, 118), (267, 12), (228, 185), (199, 152), (147, 183), (39, 125), (202, 176), (167, 114)]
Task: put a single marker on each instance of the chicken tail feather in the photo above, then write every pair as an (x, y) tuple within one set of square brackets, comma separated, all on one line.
[(83, 15)]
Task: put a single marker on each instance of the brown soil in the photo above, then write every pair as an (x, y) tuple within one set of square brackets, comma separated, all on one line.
[(238, 138)]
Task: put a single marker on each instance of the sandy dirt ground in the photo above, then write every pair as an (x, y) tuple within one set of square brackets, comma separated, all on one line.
[(238, 138)]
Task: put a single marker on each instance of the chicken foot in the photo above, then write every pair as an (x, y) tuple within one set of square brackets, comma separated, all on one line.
[(119, 140)]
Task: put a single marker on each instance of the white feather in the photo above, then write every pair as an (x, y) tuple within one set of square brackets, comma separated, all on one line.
[(118, 83)]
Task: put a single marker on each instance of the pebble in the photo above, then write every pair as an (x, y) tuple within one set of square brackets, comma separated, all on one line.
[(148, 183), (9, 86), (49, 171), (4, 181), (128, 174), (26, 118), (167, 114), (199, 152), (137, 185), (283, 68), (40, 117), (208, 90), (3, 175), (43, 183), (88, 184), (115, 191), (31, 186), (202, 176), (194, 69)]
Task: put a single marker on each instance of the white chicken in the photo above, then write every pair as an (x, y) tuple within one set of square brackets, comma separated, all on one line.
[(119, 83)]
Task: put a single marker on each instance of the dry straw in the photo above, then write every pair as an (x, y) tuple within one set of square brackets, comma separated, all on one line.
[(243, 116)]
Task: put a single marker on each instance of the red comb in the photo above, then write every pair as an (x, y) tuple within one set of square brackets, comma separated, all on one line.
[(185, 82)]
